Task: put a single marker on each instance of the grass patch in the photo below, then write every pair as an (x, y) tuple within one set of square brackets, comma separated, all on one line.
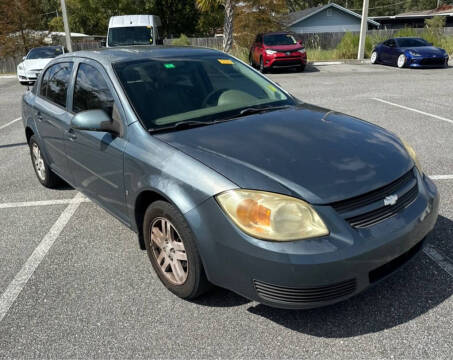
[(321, 55)]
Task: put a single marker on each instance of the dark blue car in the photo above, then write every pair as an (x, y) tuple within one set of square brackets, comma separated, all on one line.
[(409, 52), (227, 178)]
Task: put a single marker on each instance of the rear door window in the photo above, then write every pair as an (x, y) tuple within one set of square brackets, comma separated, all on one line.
[(55, 82)]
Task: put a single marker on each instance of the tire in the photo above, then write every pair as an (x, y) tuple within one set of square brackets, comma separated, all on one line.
[(180, 244), (401, 62), (43, 172), (262, 68), (374, 57), (251, 60)]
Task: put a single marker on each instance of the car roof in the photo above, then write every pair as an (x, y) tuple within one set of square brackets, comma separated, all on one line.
[(131, 53), (278, 33)]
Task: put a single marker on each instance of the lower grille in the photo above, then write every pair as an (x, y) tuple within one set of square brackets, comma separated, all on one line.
[(294, 296), (287, 63), (432, 61)]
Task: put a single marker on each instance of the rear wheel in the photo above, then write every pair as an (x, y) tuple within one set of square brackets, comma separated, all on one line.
[(374, 57), (172, 251), (401, 62), (45, 176)]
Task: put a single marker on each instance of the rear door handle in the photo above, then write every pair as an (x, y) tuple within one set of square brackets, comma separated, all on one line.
[(71, 134)]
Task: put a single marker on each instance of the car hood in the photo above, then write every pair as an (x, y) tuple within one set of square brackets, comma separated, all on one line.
[(35, 64), (426, 50), (309, 152), (284, 47)]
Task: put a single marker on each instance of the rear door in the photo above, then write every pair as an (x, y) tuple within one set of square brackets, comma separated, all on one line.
[(52, 117), (96, 158)]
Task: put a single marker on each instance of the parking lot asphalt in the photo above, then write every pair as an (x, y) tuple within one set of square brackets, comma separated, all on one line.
[(93, 293)]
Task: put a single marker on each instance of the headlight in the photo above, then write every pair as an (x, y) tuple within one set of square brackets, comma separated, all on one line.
[(410, 150), (302, 51), (270, 52), (271, 216), (413, 53)]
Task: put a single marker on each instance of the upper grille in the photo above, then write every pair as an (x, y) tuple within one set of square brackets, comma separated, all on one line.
[(369, 209), (294, 296)]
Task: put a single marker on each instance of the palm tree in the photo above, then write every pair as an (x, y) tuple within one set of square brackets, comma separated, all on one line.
[(206, 5)]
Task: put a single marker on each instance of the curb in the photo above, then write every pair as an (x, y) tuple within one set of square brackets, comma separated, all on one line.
[(7, 76)]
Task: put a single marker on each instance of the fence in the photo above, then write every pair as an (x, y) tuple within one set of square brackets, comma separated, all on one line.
[(9, 65), (331, 40), (209, 42)]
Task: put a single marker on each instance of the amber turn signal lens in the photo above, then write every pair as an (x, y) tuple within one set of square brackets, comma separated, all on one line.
[(249, 212)]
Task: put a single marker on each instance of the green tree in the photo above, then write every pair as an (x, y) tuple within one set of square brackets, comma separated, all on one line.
[(178, 16), (228, 5)]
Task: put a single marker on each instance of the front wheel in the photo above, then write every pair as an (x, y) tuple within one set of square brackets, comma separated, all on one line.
[(401, 62), (262, 68), (172, 251), (251, 60), (374, 57)]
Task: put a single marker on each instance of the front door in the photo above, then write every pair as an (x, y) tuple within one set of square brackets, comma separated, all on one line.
[(96, 158)]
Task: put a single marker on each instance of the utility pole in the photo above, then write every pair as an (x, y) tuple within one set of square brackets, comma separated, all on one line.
[(66, 26), (363, 29)]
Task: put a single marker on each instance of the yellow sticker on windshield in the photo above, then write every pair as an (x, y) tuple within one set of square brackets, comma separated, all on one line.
[(272, 88), (225, 61)]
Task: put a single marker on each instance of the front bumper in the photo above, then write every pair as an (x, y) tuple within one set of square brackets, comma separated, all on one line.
[(316, 272), (428, 62), (285, 61)]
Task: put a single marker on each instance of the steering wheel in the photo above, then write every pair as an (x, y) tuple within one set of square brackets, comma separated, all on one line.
[(213, 95)]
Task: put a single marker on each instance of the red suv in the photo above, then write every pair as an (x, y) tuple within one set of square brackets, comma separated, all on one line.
[(277, 50)]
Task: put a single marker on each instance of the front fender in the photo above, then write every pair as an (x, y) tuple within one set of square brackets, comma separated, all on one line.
[(152, 165)]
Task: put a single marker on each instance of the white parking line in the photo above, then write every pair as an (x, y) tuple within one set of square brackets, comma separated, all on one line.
[(43, 203), (415, 110), (20, 280), (441, 177), (10, 123), (439, 259)]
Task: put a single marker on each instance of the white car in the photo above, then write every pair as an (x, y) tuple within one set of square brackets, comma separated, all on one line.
[(36, 59)]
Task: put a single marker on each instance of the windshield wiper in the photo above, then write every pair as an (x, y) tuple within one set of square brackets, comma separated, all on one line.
[(257, 110), (181, 125)]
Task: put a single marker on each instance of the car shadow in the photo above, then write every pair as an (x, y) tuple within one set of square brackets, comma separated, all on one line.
[(419, 287), (309, 68)]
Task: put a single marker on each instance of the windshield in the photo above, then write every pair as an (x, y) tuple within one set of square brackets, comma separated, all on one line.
[(279, 39), (131, 35), (173, 90), (412, 42), (44, 52)]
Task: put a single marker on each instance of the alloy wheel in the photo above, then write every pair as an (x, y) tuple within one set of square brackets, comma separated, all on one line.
[(169, 251), (38, 162), (374, 57), (401, 61)]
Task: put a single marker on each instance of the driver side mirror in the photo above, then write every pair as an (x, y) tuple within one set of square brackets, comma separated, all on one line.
[(95, 120), (103, 43)]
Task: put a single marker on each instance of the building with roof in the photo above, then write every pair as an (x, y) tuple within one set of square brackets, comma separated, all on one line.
[(415, 19), (328, 18)]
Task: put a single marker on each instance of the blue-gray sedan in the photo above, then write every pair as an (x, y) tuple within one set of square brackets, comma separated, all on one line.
[(226, 177)]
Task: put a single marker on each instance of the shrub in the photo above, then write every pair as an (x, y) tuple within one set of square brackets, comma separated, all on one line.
[(406, 32), (349, 46), (183, 40)]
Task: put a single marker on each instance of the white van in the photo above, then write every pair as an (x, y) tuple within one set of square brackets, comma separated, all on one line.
[(134, 30)]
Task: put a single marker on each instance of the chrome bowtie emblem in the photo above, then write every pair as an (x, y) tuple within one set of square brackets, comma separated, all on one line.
[(390, 200)]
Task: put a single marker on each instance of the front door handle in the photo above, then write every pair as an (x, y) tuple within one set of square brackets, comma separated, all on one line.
[(39, 116), (71, 134)]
